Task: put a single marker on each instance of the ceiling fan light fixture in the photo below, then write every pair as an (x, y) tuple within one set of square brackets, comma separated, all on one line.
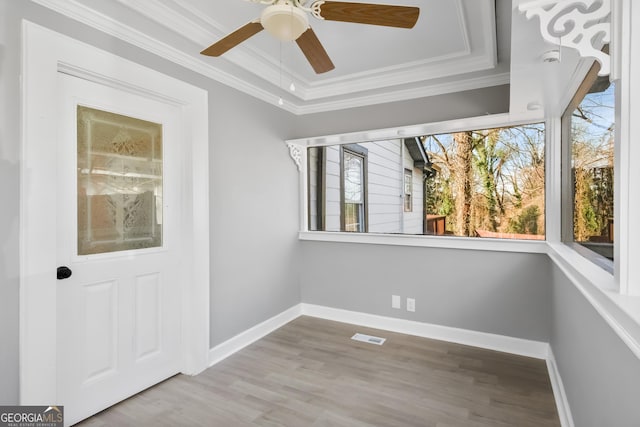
[(285, 22)]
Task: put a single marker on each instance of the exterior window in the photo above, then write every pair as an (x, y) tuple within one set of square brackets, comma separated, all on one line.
[(487, 183), (408, 189), (481, 183), (353, 191), (588, 146)]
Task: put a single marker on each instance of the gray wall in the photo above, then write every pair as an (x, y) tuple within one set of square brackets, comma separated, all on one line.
[(255, 217), (495, 292), (471, 103), (254, 213), (601, 375)]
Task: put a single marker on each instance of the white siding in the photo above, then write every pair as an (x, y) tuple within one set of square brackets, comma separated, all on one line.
[(413, 220), (385, 194), (384, 187)]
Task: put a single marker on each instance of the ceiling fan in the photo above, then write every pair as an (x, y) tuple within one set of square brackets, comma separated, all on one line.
[(287, 20)]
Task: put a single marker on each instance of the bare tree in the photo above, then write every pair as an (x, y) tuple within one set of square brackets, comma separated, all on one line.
[(490, 180), (463, 181)]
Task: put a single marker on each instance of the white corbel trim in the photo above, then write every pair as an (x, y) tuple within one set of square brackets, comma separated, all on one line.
[(583, 25), (296, 154)]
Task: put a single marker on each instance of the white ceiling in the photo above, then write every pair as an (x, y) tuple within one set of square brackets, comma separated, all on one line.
[(454, 46)]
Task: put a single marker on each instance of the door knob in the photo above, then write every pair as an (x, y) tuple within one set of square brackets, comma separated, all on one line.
[(63, 272)]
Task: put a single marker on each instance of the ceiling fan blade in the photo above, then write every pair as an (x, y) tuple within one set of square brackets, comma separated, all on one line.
[(233, 39), (367, 13), (314, 51)]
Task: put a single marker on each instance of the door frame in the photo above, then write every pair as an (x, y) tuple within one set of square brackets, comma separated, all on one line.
[(46, 53)]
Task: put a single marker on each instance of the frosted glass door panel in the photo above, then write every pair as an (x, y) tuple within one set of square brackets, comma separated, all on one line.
[(119, 182)]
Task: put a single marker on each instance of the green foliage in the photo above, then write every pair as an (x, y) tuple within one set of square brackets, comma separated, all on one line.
[(592, 157), (586, 220), (517, 196), (590, 219), (485, 160), (526, 222), (447, 206), (439, 199)]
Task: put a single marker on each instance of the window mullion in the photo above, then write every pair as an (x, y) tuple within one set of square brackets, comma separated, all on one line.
[(627, 180), (554, 188)]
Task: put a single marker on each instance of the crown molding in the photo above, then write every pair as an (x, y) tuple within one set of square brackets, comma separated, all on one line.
[(386, 78), (297, 103), (406, 94)]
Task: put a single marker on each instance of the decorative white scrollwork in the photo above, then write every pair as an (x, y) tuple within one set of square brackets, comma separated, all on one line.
[(296, 154), (315, 9), (577, 24)]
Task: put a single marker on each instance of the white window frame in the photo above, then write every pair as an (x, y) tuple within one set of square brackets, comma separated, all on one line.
[(625, 278), (627, 201), (362, 207), (300, 146), (568, 202), (613, 296), (408, 195)]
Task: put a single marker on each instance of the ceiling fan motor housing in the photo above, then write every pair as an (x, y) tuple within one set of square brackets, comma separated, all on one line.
[(284, 21)]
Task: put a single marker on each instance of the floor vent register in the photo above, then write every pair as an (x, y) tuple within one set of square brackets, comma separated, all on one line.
[(368, 339)]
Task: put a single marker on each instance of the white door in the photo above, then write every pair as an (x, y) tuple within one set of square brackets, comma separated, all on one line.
[(119, 181)]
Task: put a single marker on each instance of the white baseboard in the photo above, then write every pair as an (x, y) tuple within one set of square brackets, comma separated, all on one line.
[(529, 348), (240, 341), (564, 412)]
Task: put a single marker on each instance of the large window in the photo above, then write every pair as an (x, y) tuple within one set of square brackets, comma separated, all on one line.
[(481, 183), (589, 127)]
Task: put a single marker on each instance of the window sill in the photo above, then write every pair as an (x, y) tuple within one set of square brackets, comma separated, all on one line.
[(469, 243)]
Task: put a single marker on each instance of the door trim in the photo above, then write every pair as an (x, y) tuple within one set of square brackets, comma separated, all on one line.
[(45, 53)]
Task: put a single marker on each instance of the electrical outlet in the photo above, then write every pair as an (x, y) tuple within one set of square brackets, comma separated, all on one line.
[(411, 304), (395, 301)]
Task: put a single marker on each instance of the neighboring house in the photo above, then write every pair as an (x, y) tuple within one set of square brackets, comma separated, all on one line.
[(375, 187)]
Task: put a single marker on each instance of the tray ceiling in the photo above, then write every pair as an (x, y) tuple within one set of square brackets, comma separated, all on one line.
[(453, 47)]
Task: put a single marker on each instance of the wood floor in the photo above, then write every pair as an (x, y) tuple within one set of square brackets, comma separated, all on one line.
[(310, 373)]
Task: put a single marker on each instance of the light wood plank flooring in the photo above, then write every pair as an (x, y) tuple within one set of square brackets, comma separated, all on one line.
[(310, 373)]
